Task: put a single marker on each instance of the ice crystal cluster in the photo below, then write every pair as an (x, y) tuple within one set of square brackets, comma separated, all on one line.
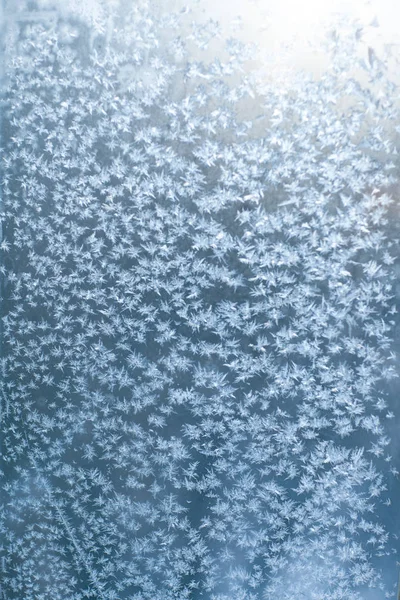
[(198, 313)]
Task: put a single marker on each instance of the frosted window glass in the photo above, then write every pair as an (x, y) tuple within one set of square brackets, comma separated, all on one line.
[(199, 295)]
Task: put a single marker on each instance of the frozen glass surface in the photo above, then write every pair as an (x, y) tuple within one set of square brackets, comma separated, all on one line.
[(199, 337)]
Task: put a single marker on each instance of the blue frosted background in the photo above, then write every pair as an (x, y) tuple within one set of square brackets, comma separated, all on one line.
[(199, 393)]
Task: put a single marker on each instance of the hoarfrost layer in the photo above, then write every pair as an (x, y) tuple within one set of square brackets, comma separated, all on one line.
[(199, 314)]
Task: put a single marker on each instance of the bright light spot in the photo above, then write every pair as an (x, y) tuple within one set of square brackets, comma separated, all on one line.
[(305, 20)]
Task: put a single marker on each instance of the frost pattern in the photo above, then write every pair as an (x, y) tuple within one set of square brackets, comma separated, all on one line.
[(198, 315)]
